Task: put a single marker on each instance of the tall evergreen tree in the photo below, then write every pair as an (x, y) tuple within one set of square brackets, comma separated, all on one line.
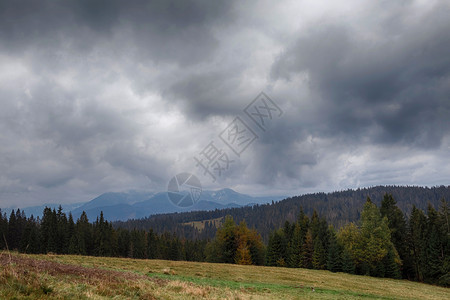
[(152, 244), (417, 231), (308, 251), (334, 259), (295, 247), (391, 265), (226, 241), (375, 238), (3, 229), (319, 258), (398, 228), (348, 263), (124, 242), (138, 245), (84, 235), (13, 231), (30, 242), (71, 236), (434, 260), (444, 229), (276, 249)]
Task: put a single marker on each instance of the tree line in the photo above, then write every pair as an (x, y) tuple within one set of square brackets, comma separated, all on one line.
[(383, 242), (58, 233), (338, 208)]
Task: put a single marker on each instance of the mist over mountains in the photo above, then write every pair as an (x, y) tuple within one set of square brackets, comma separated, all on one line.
[(121, 206)]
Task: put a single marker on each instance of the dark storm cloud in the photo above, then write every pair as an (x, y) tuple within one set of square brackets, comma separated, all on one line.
[(207, 94), (178, 31), (102, 96), (390, 87)]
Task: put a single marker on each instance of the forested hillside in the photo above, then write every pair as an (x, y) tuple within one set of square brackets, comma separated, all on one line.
[(337, 208), (383, 242)]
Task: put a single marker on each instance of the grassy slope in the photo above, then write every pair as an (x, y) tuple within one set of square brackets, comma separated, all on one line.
[(81, 277), (200, 225)]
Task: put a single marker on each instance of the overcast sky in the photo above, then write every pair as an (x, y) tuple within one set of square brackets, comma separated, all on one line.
[(99, 96)]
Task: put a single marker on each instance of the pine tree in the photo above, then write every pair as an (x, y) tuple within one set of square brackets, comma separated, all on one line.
[(295, 247), (152, 247), (391, 264), (29, 242), (71, 236), (276, 249), (226, 238), (375, 239), (349, 237), (348, 264), (398, 228), (13, 231), (103, 237), (49, 231), (123, 243), (84, 235), (417, 230), (334, 262), (444, 225), (53, 237), (319, 256), (62, 238), (308, 251), (175, 249), (3, 229), (433, 267)]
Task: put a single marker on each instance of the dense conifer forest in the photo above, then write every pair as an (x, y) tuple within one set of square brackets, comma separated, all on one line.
[(382, 241), (338, 208)]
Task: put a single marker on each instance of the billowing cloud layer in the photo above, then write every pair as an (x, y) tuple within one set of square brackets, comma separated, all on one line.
[(103, 96)]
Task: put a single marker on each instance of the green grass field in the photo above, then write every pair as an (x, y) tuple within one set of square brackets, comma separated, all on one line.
[(83, 277)]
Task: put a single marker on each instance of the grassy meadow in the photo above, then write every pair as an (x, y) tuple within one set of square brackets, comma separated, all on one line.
[(83, 277)]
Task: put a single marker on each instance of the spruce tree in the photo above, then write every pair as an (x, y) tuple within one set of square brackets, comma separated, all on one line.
[(226, 238), (295, 247), (152, 244), (348, 264), (319, 257), (444, 224), (308, 251), (433, 267), (62, 238), (417, 238), (13, 231), (391, 264), (3, 229), (276, 249), (398, 228), (334, 259), (71, 236), (84, 235), (375, 239)]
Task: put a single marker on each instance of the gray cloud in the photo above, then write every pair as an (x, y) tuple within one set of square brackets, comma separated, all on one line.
[(392, 87), (178, 31), (103, 96)]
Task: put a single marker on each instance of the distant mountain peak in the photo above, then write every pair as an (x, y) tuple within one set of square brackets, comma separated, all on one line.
[(137, 204)]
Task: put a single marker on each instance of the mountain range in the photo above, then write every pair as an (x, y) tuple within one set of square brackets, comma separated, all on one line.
[(338, 208), (121, 206)]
